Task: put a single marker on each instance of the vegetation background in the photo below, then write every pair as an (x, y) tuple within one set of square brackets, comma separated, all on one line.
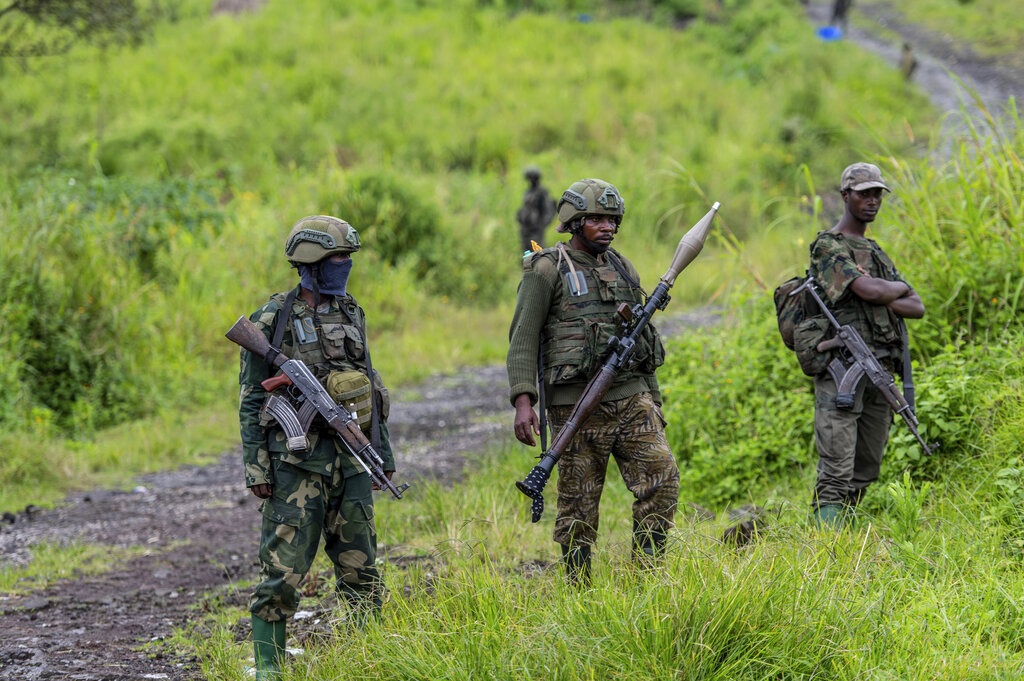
[(146, 192)]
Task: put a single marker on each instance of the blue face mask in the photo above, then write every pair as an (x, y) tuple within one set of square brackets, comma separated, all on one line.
[(332, 279)]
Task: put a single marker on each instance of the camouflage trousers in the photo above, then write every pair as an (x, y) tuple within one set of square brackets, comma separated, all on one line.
[(850, 442), (304, 507), (633, 431)]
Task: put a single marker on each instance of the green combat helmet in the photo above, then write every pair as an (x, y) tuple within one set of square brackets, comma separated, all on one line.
[(589, 197), (315, 237)]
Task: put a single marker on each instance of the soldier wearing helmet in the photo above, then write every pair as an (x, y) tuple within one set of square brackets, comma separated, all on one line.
[(536, 212), (321, 491), (566, 311)]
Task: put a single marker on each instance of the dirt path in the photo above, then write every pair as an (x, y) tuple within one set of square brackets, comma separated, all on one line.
[(193, 531), (946, 70)]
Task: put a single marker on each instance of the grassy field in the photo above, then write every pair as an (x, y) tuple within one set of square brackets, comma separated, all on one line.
[(145, 195)]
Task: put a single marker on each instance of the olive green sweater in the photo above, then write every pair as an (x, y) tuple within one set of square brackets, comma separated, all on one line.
[(538, 303)]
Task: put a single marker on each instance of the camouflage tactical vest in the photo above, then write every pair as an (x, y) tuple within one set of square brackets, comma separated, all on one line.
[(879, 327), (579, 327)]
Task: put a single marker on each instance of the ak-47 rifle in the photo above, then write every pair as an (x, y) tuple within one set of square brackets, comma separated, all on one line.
[(314, 399), (854, 361), (620, 351)]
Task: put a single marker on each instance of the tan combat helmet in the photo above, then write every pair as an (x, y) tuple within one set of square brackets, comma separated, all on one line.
[(589, 197), (315, 237)]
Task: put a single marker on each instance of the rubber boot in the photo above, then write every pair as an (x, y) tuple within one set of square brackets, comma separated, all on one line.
[(365, 602), (577, 564), (268, 639), (648, 546), (829, 516)]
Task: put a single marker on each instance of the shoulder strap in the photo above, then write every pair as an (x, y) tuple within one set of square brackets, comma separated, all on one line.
[(613, 258), (284, 317), (374, 411)]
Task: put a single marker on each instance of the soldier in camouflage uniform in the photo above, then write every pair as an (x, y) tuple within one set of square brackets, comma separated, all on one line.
[(537, 210), (565, 313), (864, 289), (321, 491)]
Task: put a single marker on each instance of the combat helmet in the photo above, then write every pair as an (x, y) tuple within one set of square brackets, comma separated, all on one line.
[(315, 237), (531, 173), (589, 197)]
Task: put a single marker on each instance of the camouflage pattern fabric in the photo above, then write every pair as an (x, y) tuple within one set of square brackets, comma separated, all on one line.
[(322, 491), (633, 431), (835, 259), (851, 442), (304, 507)]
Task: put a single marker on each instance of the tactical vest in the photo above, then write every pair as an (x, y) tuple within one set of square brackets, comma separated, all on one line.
[(336, 346), (879, 327), (579, 326)]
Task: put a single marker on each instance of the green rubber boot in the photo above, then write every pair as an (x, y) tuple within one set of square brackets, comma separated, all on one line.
[(268, 640), (829, 516)]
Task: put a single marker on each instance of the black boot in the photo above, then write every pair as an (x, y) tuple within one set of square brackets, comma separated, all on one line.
[(648, 546), (577, 564)]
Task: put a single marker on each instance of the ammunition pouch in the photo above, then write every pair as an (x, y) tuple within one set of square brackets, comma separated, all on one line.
[(351, 390)]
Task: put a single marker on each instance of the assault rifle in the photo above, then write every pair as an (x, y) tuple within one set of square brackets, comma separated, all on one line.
[(313, 399), (854, 361), (620, 351)]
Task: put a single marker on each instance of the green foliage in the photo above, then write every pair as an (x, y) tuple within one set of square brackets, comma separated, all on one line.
[(739, 408), (81, 292), (477, 592), (987, 26), (741, 412), (48, 27), (960, 238)]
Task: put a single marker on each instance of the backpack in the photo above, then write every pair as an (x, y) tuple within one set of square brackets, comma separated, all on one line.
[(802, 325), (791, 310)]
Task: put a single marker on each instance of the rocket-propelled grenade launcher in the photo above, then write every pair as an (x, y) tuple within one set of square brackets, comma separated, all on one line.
[(620, 350)]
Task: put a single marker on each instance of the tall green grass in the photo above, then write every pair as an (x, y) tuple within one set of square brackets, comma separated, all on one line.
[(476, 591), (145, 194)]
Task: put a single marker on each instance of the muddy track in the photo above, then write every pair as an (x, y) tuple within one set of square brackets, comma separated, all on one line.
[(191, 534)]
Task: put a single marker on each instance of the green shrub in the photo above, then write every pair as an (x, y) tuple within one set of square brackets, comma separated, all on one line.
[(740, 411)]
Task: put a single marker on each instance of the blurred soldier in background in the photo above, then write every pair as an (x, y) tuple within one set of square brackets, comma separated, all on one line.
[(536, 212), (840, 8), (566, 310), (322, 491), (908, 62)]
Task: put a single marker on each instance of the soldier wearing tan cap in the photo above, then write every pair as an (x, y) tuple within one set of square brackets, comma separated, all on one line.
[(863, 288)]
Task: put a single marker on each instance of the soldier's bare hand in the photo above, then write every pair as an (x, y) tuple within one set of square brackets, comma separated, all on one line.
[(262, 491), (377, 487), (527, 424)]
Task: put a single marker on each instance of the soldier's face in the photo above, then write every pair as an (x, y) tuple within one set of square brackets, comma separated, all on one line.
[(599, 231), (864, 204)]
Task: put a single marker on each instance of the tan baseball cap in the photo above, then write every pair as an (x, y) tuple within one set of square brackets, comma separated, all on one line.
[(860, 176)]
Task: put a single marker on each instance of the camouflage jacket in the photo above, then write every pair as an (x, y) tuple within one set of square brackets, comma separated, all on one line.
[(336, 345), (834, 261)]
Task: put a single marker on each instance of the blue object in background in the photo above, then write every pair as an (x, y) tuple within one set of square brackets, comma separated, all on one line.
[(830, 33)]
